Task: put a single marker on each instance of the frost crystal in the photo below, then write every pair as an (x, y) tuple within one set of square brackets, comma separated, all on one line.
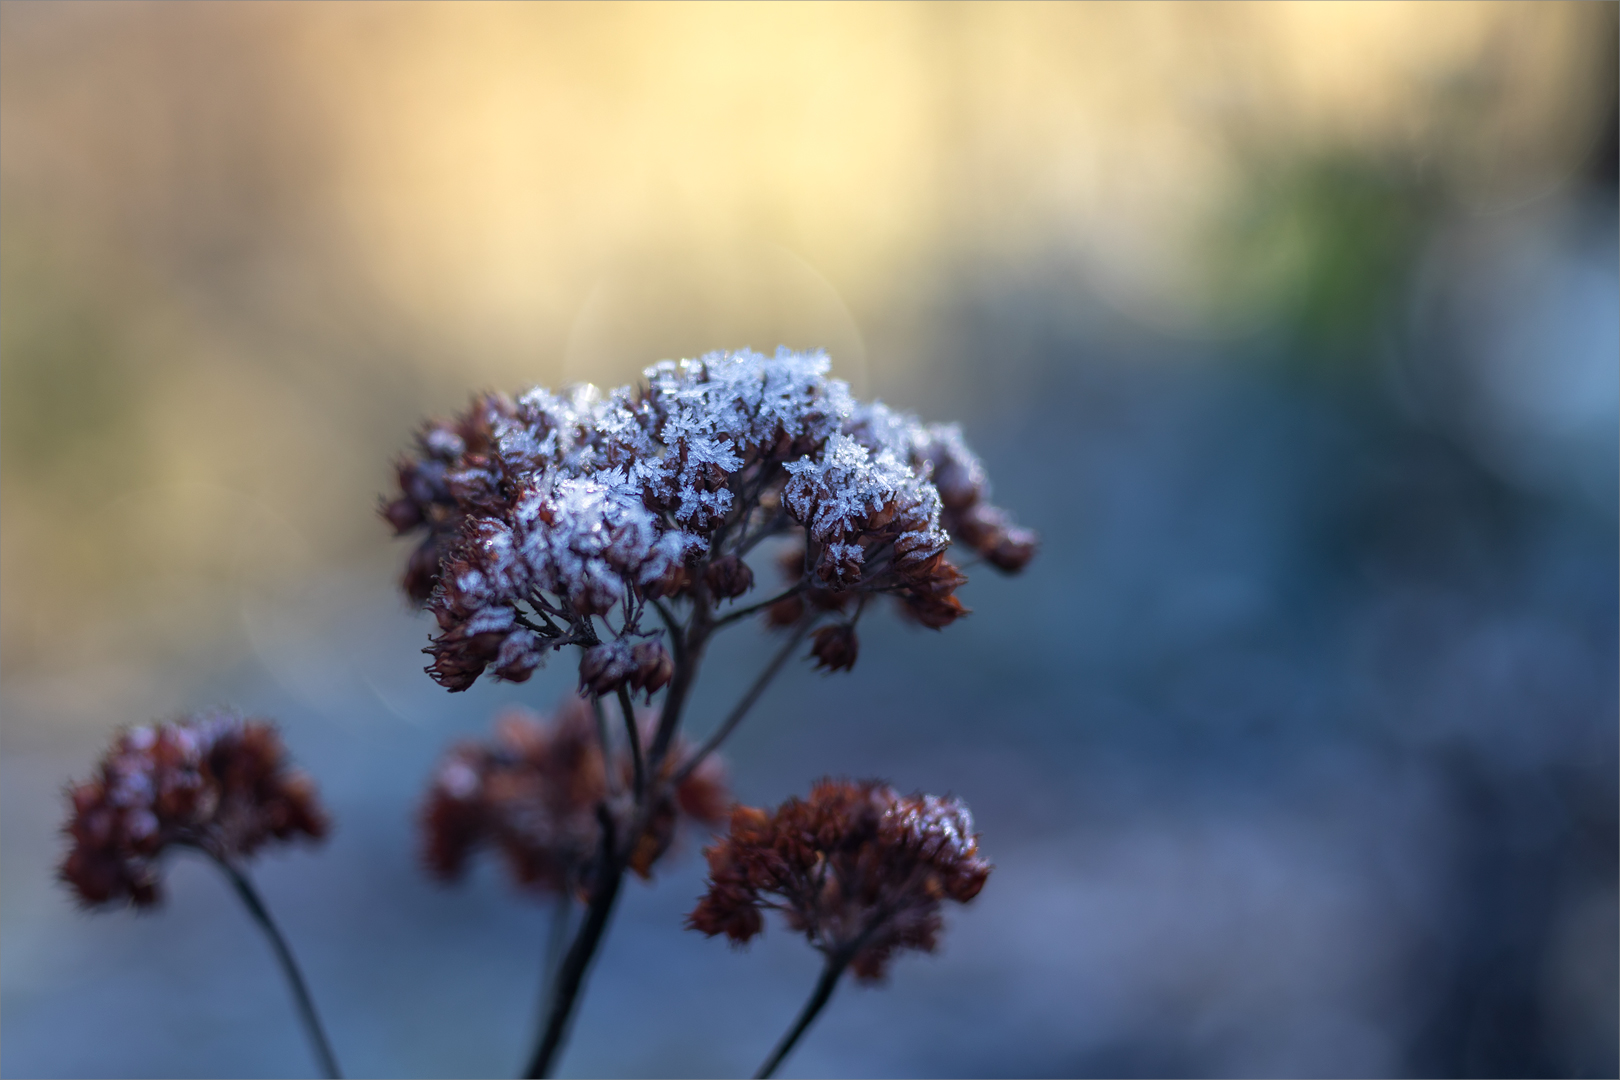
[(553, 520)]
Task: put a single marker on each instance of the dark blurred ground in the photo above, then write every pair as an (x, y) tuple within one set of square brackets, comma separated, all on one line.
[(1296, 749)]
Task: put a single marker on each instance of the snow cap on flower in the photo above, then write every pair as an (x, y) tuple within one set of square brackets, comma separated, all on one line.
[(544, 513)]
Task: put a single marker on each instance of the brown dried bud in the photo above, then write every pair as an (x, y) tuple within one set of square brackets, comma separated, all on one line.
[(1014, 550), (785, 612), (982, 526), (728, 577), (989, 531), (934, 612), (671, 583), (459, 657), (403, 514), (606, 667), (960, 484), (836, 647), (654, 668)]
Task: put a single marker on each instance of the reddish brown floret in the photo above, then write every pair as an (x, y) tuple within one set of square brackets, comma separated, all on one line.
[(856, 868), (654, 668), (534, 794), (1014, 550), (217, 783), (459, 657)]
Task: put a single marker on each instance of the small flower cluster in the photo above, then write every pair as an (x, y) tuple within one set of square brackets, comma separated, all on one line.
[(543, 513), (214, 782), (858, 869), (535, 793)]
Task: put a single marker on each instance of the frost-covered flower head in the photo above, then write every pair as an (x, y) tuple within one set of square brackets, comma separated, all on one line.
[(535, 793), (215, 782), (856, 868), (555, 520)]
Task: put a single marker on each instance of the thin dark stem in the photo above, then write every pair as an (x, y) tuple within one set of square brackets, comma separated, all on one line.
[(669, 721), (289, 966), (836, 963), (677, 640), (743, 613), (688, 648), (770, 528), (556, 938), (571, 975), (730, 723), (635, 743)]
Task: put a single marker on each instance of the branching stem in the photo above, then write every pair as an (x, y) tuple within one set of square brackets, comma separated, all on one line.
[(571, 975), (611, 867), (729, 724), (743, 613)]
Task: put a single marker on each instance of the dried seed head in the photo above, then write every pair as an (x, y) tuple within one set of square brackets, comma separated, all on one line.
[(854, 867), (214, 781), (540, 513), (533, 793)]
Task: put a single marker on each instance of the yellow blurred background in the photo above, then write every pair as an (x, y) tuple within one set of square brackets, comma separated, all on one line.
[(244, 244)]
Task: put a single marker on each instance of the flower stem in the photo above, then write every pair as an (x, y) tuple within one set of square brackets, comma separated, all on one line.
[(571, 975), (689, 658), (607, 746), (289, 966), (825, 985), (743, 613), (634, 735)]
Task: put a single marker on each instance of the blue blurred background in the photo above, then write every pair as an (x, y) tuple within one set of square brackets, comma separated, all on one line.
[(1293, 329)]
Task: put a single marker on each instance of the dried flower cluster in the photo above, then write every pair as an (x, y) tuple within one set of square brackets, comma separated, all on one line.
[(860, 870), (542, 513), (535, 793), (214, 782)]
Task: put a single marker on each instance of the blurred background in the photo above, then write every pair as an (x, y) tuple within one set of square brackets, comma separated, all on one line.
[(1292, 327)]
